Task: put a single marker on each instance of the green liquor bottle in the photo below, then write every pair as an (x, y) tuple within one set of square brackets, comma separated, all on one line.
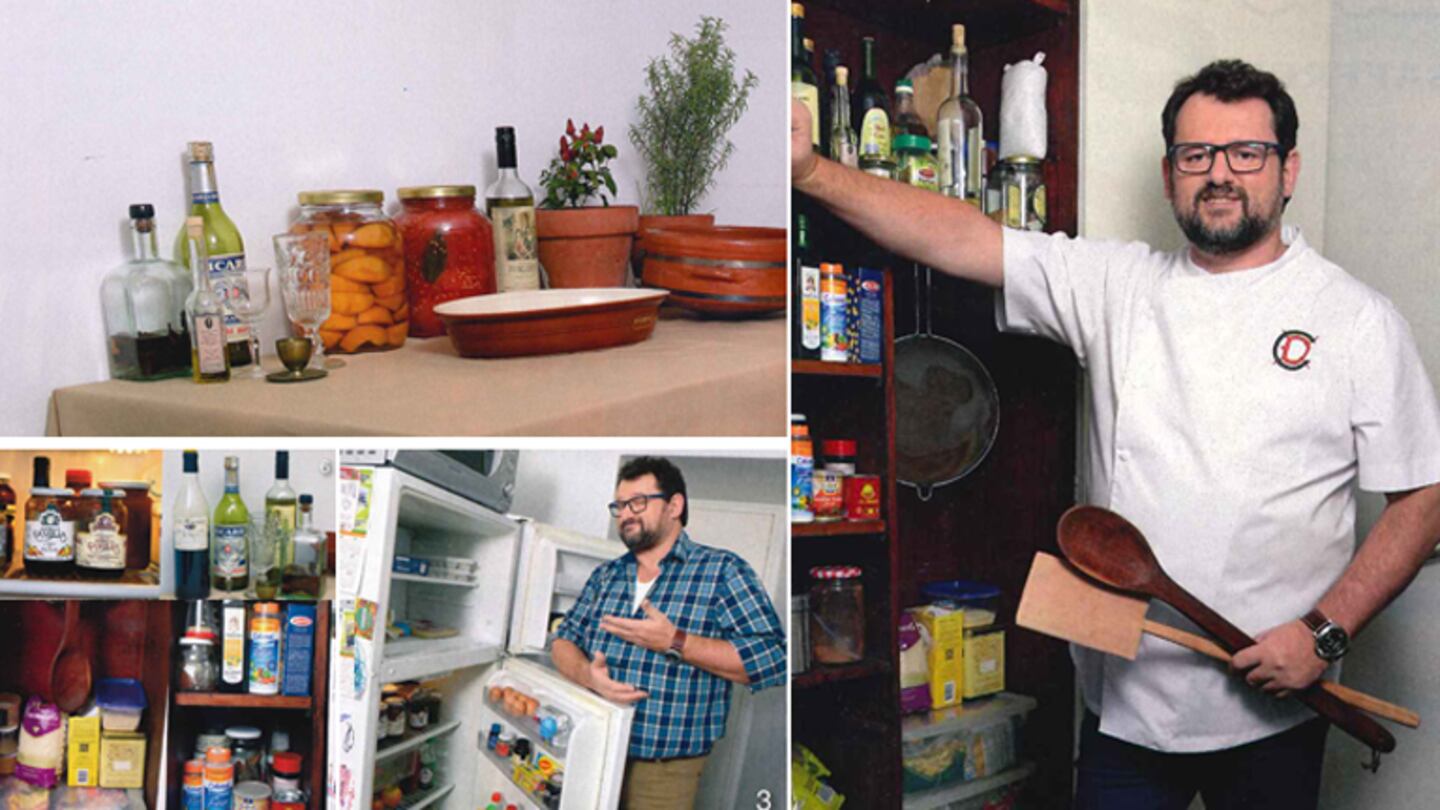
[(225, 251), (279, 541), (230, 552)]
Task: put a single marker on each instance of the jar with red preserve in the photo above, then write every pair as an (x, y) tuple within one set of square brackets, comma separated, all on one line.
[(368, 307), (449, 251)]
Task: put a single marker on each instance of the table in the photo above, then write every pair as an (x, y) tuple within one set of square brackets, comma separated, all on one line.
[(692, 377)]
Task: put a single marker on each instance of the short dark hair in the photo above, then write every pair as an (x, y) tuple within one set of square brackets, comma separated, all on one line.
[(1231, 80), (667, 478)]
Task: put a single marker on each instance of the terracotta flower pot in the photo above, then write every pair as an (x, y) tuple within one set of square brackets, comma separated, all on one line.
[(649, 222), (586, 247), (721, 272)]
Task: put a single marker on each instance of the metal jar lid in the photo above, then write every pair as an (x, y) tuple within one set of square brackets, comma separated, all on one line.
[(835, 571), (434, 192), (252, 791), (342, 197)]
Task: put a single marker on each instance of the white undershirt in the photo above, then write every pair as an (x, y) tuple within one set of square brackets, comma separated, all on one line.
[(642, 590)]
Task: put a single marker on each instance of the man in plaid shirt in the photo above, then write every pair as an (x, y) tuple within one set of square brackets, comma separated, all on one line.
[(668, 626)]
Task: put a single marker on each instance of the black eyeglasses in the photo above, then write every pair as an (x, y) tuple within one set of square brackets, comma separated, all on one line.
[(636, 504), (1243, 157)]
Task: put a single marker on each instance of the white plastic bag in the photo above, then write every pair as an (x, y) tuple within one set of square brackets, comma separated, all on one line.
[(1023, 124)]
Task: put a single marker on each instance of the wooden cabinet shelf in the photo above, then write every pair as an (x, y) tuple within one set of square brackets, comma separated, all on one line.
[(229, 700), (820, 674), (821, 368), (837, 528)]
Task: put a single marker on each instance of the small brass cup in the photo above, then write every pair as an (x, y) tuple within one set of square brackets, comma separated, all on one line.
[(294, 353)]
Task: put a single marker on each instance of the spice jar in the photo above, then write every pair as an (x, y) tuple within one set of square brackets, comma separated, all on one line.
[(286, 775), (245, 751), (368, 307), (839, 455), (837, 615), (138, 524), (449, 251), (197, 664), (879, 167), (395, 716), (914, 163)]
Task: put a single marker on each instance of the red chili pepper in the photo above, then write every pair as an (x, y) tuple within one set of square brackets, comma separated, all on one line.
[(599, 135), (570, 127)]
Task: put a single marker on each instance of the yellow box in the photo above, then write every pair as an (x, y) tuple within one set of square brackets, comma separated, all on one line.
[(82, 753), (122, 759), (946, 628), (984, 661)]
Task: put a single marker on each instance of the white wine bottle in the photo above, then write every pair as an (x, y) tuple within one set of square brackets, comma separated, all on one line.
[(510, 204)]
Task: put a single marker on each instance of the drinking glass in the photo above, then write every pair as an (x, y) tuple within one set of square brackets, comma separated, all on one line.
[(250, 299), (304, 261)]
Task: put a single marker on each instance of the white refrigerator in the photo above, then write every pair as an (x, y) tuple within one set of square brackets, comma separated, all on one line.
[(526, 575)]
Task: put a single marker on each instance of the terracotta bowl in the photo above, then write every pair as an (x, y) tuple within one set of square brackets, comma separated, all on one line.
[(650, 222), (530, 322), (724, 271)]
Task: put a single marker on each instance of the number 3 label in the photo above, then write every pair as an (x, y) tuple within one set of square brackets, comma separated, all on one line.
[(762, 800)]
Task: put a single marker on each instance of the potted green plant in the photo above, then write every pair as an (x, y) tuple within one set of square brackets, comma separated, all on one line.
[(583, 245), (693, 97)]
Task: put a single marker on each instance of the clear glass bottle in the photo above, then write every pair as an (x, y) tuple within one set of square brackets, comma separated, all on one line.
[(306, 571), (49, 526), (230, 553), (510, 204), (842, 138), (224, 249), (958, 126), (209, 358), (280, 522), (190, 515), (144, 306)]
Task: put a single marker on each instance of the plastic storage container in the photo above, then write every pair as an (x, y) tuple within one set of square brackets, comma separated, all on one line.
[(121, 702), (963, 743), (368, 307)]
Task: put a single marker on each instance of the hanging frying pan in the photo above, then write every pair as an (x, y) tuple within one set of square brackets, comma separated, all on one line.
[(947, 411)]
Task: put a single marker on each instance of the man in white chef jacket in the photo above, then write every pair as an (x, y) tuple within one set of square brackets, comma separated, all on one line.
[(1240, 389)]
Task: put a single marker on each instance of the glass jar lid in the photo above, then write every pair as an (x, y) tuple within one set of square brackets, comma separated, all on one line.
[(242, 733), (835, 571), (342, 197), (434, 192)]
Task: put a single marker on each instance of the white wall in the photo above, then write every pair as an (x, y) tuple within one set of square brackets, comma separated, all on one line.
[(97, 102), (1385, 94)]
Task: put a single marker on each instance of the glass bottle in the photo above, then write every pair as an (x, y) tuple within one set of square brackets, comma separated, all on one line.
[(49, 526), (230, 553), (958, 127), (197, 664), (100, 538), (7, 522), (842, 138), (280, 521), (511, 207), (806, 336), (144, 305), (803, 85), (829, 61), (870, 108), (191, 518), (906, 120), (304, 574), (224, 249), (209, 359)]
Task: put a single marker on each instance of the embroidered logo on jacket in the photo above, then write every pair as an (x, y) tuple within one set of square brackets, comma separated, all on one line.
[(1292, 349)]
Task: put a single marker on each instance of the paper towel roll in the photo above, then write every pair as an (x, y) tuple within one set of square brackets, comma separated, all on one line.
[(1022, 109)]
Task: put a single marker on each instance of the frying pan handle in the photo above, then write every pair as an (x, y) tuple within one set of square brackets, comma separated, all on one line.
[(1350, 720)]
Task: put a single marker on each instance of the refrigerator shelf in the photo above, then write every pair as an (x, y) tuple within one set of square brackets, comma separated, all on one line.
[(413, 659), (433, 580), (505, 768), (528, 726), (415, 801), (415, 741)]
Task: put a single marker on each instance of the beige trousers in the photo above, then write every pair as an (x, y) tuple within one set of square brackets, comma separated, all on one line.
[(668, 785)]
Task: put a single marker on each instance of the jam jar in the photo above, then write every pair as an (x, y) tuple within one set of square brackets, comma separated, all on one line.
[(368, 308), (837, 615), (449, 251)]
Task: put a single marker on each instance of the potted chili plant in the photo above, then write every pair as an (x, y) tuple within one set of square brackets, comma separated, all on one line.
[(583, 245)]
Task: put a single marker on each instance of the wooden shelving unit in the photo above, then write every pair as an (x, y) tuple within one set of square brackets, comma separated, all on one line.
[(823, 369), (225, 700), (839, 528), (988, 525)]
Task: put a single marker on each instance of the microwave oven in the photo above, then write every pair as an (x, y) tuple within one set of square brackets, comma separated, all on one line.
[(486, 477)]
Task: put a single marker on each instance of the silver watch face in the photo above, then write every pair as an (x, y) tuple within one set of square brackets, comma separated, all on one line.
[(1331, 641)]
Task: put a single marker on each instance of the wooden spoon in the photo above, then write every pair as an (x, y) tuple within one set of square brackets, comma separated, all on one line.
[(1108, 548), (70, 674)]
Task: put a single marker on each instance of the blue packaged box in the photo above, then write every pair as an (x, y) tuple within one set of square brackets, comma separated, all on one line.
[(410, 565), (299, 649), (869, 287)]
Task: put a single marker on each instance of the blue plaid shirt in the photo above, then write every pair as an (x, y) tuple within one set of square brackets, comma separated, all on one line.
[(706, 592)]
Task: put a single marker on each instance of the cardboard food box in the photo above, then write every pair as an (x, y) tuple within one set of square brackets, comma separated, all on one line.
[(984, 656), (122, 759), (83, 752), (946, 627)]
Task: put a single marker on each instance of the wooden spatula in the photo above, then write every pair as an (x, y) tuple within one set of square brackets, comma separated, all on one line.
[(1059, 601), (1106, 547)]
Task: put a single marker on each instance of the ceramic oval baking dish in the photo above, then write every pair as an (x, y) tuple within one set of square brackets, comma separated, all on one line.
[(533, 322)]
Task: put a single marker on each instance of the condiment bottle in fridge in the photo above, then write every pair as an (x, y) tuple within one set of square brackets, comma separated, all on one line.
[(77, 479), (510, 204), (223, 260), (190, 515), (7, 521), (100, 539), (230, 552), (49, 526)]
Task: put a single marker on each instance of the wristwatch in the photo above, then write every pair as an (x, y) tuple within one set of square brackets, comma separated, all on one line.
[(677, 645), (1331, 640)]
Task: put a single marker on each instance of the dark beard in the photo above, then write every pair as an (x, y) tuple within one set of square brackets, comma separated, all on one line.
[(1227, 241), (644, 541)]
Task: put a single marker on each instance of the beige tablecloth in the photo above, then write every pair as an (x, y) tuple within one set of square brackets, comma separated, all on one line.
[(692, 377)]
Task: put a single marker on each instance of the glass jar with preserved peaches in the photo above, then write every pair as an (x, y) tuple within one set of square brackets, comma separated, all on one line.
[(368, 307)]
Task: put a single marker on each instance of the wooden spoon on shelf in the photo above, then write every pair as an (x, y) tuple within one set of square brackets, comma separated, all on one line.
[(1108, 548), (70, 676)]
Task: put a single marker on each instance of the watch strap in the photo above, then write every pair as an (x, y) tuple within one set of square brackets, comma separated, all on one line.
[(677, 644), (1315, 620)]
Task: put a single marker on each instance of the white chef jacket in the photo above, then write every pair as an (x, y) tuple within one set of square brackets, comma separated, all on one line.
[(1232, 415)]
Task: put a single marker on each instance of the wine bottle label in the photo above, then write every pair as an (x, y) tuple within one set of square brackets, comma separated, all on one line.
[(875, 134), (231, 555), (102, 546), (227, 280), (809, 95), (50, 537), (810, 308), (516, 264), (209, 337), (192, 534)]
